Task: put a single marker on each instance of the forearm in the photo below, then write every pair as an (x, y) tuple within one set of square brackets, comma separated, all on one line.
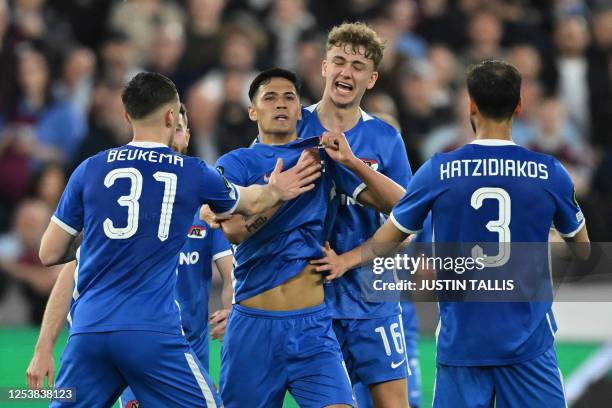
[(225, 267), (239, 228), (385, 191), (384, 242), (57, 308), (256, 199)]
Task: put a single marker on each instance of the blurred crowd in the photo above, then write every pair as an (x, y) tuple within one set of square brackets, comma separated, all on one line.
[(63, 64)]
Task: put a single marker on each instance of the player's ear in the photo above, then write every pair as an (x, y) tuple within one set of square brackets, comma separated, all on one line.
[(169, 118), (127, 117), (372, 80), (324, 68), (519, 106), (473, 108), (252, 113)]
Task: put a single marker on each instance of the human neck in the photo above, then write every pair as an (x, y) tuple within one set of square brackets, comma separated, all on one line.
[(275, 139), (337, 119), (490, 129), (151, 134)]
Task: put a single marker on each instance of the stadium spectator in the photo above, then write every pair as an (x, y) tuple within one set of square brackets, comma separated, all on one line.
[(203, 36), (140, 19), (203, 115), (572, 40), (19, 256), (287, 23), (166, 53), (311, 51), (49, 184), (107, 126), (404, 14), (117, 58), (76, 81)]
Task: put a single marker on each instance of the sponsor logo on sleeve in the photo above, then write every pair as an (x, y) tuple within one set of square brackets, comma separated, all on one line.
[(197, 232)]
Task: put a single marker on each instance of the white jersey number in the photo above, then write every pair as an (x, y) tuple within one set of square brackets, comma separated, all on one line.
[(133, 206), (501, 225)]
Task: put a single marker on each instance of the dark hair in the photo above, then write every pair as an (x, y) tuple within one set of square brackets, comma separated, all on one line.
[(266, 76), (146, 92), (495, 87), (183, 113)]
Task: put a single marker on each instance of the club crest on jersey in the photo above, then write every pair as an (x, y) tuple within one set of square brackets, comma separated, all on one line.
[(370, 162), (197, 232), (132, 404)]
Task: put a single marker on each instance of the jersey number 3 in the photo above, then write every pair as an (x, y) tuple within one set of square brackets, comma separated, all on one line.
[(501, 225), (133, 206)]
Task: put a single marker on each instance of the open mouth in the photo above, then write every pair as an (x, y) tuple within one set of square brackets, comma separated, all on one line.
[(281, 117), (344, 87)]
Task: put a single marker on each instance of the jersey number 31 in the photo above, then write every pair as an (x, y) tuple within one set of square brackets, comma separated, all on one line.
[(133, 206)]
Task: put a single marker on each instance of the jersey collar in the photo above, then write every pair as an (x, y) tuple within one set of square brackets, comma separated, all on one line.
[(493, 142), (147, 145)]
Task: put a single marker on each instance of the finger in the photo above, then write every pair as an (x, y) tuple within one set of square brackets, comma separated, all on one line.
[(324, 268), (29, 379), (278, 167), (305, 189), (312, 168), (51, 379), (327, 246), (318, 261)]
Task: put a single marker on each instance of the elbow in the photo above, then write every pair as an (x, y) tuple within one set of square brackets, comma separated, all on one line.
[(47, 256)]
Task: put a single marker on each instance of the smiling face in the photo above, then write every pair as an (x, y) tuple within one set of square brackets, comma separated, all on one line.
[(348, 74), (276, 108)]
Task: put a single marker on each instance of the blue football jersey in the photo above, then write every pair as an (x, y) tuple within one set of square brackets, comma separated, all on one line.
[(295, 233), (380, 146), (134, 205), (194, 274), (491, 191)]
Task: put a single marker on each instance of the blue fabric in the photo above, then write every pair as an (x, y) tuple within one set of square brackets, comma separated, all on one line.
[(295, 233), (127, 276), (156, 366), (381, 146), (530, 191), (533, 383), (267, 353)]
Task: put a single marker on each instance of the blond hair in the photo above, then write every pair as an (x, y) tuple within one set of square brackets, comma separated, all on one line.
[(357, 35)]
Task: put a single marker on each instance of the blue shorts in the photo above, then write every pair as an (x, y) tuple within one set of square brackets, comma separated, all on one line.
[(160, 368), (200, 350), (266, 353), (536, 383), (374, 350)]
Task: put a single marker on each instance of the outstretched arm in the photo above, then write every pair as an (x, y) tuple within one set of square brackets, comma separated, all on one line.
[(381, 193), (42, 364), (387, 239)]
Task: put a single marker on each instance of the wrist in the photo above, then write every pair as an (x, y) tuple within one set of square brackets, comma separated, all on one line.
[(353, 163), (44, 346)]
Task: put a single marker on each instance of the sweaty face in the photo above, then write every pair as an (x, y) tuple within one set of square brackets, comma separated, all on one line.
[(276, 107), (180, 141), (347, 75)]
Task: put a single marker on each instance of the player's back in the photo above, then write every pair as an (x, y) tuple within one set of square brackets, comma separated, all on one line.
[(134, 204), (494, 181), (494, 191)]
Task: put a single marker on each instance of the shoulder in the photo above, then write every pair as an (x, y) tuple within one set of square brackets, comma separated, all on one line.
[(383, 128)]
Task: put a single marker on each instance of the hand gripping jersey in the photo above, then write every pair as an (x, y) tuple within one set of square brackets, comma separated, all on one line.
[(295, 233), (134, 205), (491, 191), (380, 146)]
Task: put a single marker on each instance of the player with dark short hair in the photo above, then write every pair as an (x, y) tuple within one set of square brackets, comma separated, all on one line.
[(498, 353), (133, 205)]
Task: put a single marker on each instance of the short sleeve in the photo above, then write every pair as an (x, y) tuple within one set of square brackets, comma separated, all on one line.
[(220, 245), (410, 212), (232, 168), (568, 218), (221, 195), (398, 168), (69, 213)]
